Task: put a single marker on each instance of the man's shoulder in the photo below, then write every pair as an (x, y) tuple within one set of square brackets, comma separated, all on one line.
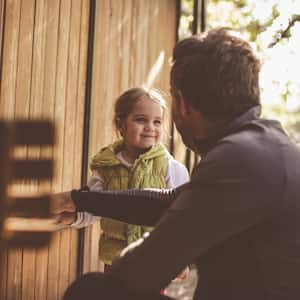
[(248, 151), (255, 137)]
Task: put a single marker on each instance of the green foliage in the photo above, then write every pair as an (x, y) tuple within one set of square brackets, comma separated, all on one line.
[(273, 28)]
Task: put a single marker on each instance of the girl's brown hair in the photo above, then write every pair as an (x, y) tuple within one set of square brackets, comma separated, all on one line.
[(126, 102)]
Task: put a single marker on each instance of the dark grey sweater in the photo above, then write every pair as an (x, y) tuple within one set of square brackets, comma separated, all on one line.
[(238, 219)]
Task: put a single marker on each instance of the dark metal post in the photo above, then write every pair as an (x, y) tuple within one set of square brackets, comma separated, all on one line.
[(202, 29), (86, 127), (203, 15), (2, 31), (195, 26), (195, 17), (178, 14)]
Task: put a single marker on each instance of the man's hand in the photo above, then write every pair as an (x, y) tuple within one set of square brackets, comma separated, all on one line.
[(61, 203), (183, 275)]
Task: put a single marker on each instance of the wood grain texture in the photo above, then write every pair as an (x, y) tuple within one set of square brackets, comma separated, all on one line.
[(133, 42), (43, 76)]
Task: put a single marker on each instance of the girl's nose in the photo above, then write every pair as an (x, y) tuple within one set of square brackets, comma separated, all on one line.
[(149, 127)]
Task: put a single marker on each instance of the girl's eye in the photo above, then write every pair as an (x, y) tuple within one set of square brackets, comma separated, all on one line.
[(140, 120), (157, 122)]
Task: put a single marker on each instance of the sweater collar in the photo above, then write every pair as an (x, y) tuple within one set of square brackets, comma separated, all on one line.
[(205, 145), (107, 156)]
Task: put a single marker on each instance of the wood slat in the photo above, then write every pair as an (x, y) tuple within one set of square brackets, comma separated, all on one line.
[(33, 133), (81, 90), (8, 110), (71, 149), (2, 16), (33, 224), (30, 239), (10, 61), (60, 114), (3, 278), (38, 207), (43, 258), (14, 274), (29, 271), (30, 168), (41, 266), (24, 59), (22, 110)]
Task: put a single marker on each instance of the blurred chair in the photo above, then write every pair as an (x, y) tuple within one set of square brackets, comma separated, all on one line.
[(23, 218)]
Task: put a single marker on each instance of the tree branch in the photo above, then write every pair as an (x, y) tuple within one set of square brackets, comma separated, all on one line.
[(282, 34)]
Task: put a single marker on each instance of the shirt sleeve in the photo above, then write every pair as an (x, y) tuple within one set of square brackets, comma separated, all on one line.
[(84, 219), (177, 174), (139, 207), (95, 182)]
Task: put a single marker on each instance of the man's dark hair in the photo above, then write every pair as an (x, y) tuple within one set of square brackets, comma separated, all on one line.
[(217, 73)]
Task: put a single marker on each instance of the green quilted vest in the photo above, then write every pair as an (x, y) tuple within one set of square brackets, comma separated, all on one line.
[(148, 171)]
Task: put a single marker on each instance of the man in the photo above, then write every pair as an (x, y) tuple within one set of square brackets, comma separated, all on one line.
[(238, 219)]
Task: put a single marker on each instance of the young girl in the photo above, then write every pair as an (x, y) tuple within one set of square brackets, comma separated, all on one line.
[(138, 160)]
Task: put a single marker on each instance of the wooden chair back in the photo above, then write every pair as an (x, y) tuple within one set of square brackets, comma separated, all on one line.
[(17, 213)]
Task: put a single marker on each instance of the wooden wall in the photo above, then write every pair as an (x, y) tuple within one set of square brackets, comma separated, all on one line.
[(44, 61), (43, 76), (136, 52)]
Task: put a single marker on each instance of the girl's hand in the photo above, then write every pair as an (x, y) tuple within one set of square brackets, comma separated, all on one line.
[(66, 218), (62, 202)]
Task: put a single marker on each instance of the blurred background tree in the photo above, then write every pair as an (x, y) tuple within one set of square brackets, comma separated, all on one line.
[(273, 28)]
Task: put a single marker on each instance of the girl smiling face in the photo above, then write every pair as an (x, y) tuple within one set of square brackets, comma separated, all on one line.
[(142, 127)]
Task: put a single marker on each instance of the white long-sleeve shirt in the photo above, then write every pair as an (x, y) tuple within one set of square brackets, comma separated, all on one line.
[(176, 175)]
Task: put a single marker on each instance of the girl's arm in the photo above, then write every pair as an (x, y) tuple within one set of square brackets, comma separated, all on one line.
[(140, 207), (177, 174), (95, 182), (84, 219)]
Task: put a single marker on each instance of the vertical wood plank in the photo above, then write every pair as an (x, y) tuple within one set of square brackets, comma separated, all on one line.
[(10, 55), (35, 47), (51, 90), (3, 253), (14, 274), (25, 49), (125, 46), (2, 15), (36, 111), (16, 257), (60, 114), (71, 149), (3, 277), (83, 48), (7, 102)]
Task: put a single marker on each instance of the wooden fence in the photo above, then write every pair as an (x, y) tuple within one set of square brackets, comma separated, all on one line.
[(44, 46)]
